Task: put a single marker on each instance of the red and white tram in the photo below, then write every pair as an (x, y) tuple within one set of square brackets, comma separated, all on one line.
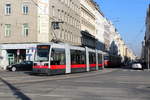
[(55, 58)]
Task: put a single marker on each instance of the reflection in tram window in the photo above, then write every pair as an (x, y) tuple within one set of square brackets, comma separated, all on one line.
[(78, 57), (92, 58), (58, 57), (42, 53), (99, 58)]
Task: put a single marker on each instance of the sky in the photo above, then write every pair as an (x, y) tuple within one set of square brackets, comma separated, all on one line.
[(128, 16)]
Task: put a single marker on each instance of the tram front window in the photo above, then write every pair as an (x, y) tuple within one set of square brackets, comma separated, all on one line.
[(42, 53)]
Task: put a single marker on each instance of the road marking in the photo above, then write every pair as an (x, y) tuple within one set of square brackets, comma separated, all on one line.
[(131, 70), (145, 83)]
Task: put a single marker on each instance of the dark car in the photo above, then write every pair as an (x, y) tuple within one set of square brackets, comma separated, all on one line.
[(22, 66)]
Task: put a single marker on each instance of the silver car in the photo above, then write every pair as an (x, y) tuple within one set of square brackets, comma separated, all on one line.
[(136, 65)]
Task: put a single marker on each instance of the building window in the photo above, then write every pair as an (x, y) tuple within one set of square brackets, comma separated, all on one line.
[(25, 9), (8, 9), (7, 30), (25, 30)]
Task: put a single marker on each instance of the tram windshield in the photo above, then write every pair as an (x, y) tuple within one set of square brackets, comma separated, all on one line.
[(42, 53)]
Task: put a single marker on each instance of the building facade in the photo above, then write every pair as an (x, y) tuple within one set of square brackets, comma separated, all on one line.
[(27, 22), (99, 29), (106, 34), (88, 16), (67, 12), (88, 30), (31, 21), (146, 44), (18, 22)]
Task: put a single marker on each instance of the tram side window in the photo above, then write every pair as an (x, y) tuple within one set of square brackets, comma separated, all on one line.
[(99, 58), (58, 57), (78, 57), (92, 58)]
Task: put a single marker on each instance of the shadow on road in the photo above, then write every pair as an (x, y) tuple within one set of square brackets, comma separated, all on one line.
[(126, 67), (16, 92)]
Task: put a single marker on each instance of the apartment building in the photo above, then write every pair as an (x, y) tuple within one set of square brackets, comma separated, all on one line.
[(146, 45), (88, 23), (67, 12), (24, 23), (18, 28), (120, 44), (106, 34), (99, 29), (18, 22), (30, 21)]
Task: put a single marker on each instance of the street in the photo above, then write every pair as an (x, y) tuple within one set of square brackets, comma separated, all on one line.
[(107, 84)]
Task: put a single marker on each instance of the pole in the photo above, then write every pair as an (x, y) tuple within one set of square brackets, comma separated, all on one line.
[(148, 60)]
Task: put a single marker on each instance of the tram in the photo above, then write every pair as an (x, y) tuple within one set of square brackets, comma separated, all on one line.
[(53, 58), (112, 61)]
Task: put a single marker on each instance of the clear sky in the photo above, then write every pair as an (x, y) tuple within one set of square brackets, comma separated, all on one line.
[(128, 16)]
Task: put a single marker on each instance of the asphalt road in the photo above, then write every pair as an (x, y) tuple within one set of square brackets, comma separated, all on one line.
[(109, 84)]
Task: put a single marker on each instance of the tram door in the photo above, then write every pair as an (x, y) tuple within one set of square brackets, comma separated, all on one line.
[(11, 58)]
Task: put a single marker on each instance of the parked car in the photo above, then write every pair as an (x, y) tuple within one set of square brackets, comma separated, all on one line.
[(136, 65), (25, 65)]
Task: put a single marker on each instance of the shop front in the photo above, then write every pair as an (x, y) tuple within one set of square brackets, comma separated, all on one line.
[(15, 53)]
